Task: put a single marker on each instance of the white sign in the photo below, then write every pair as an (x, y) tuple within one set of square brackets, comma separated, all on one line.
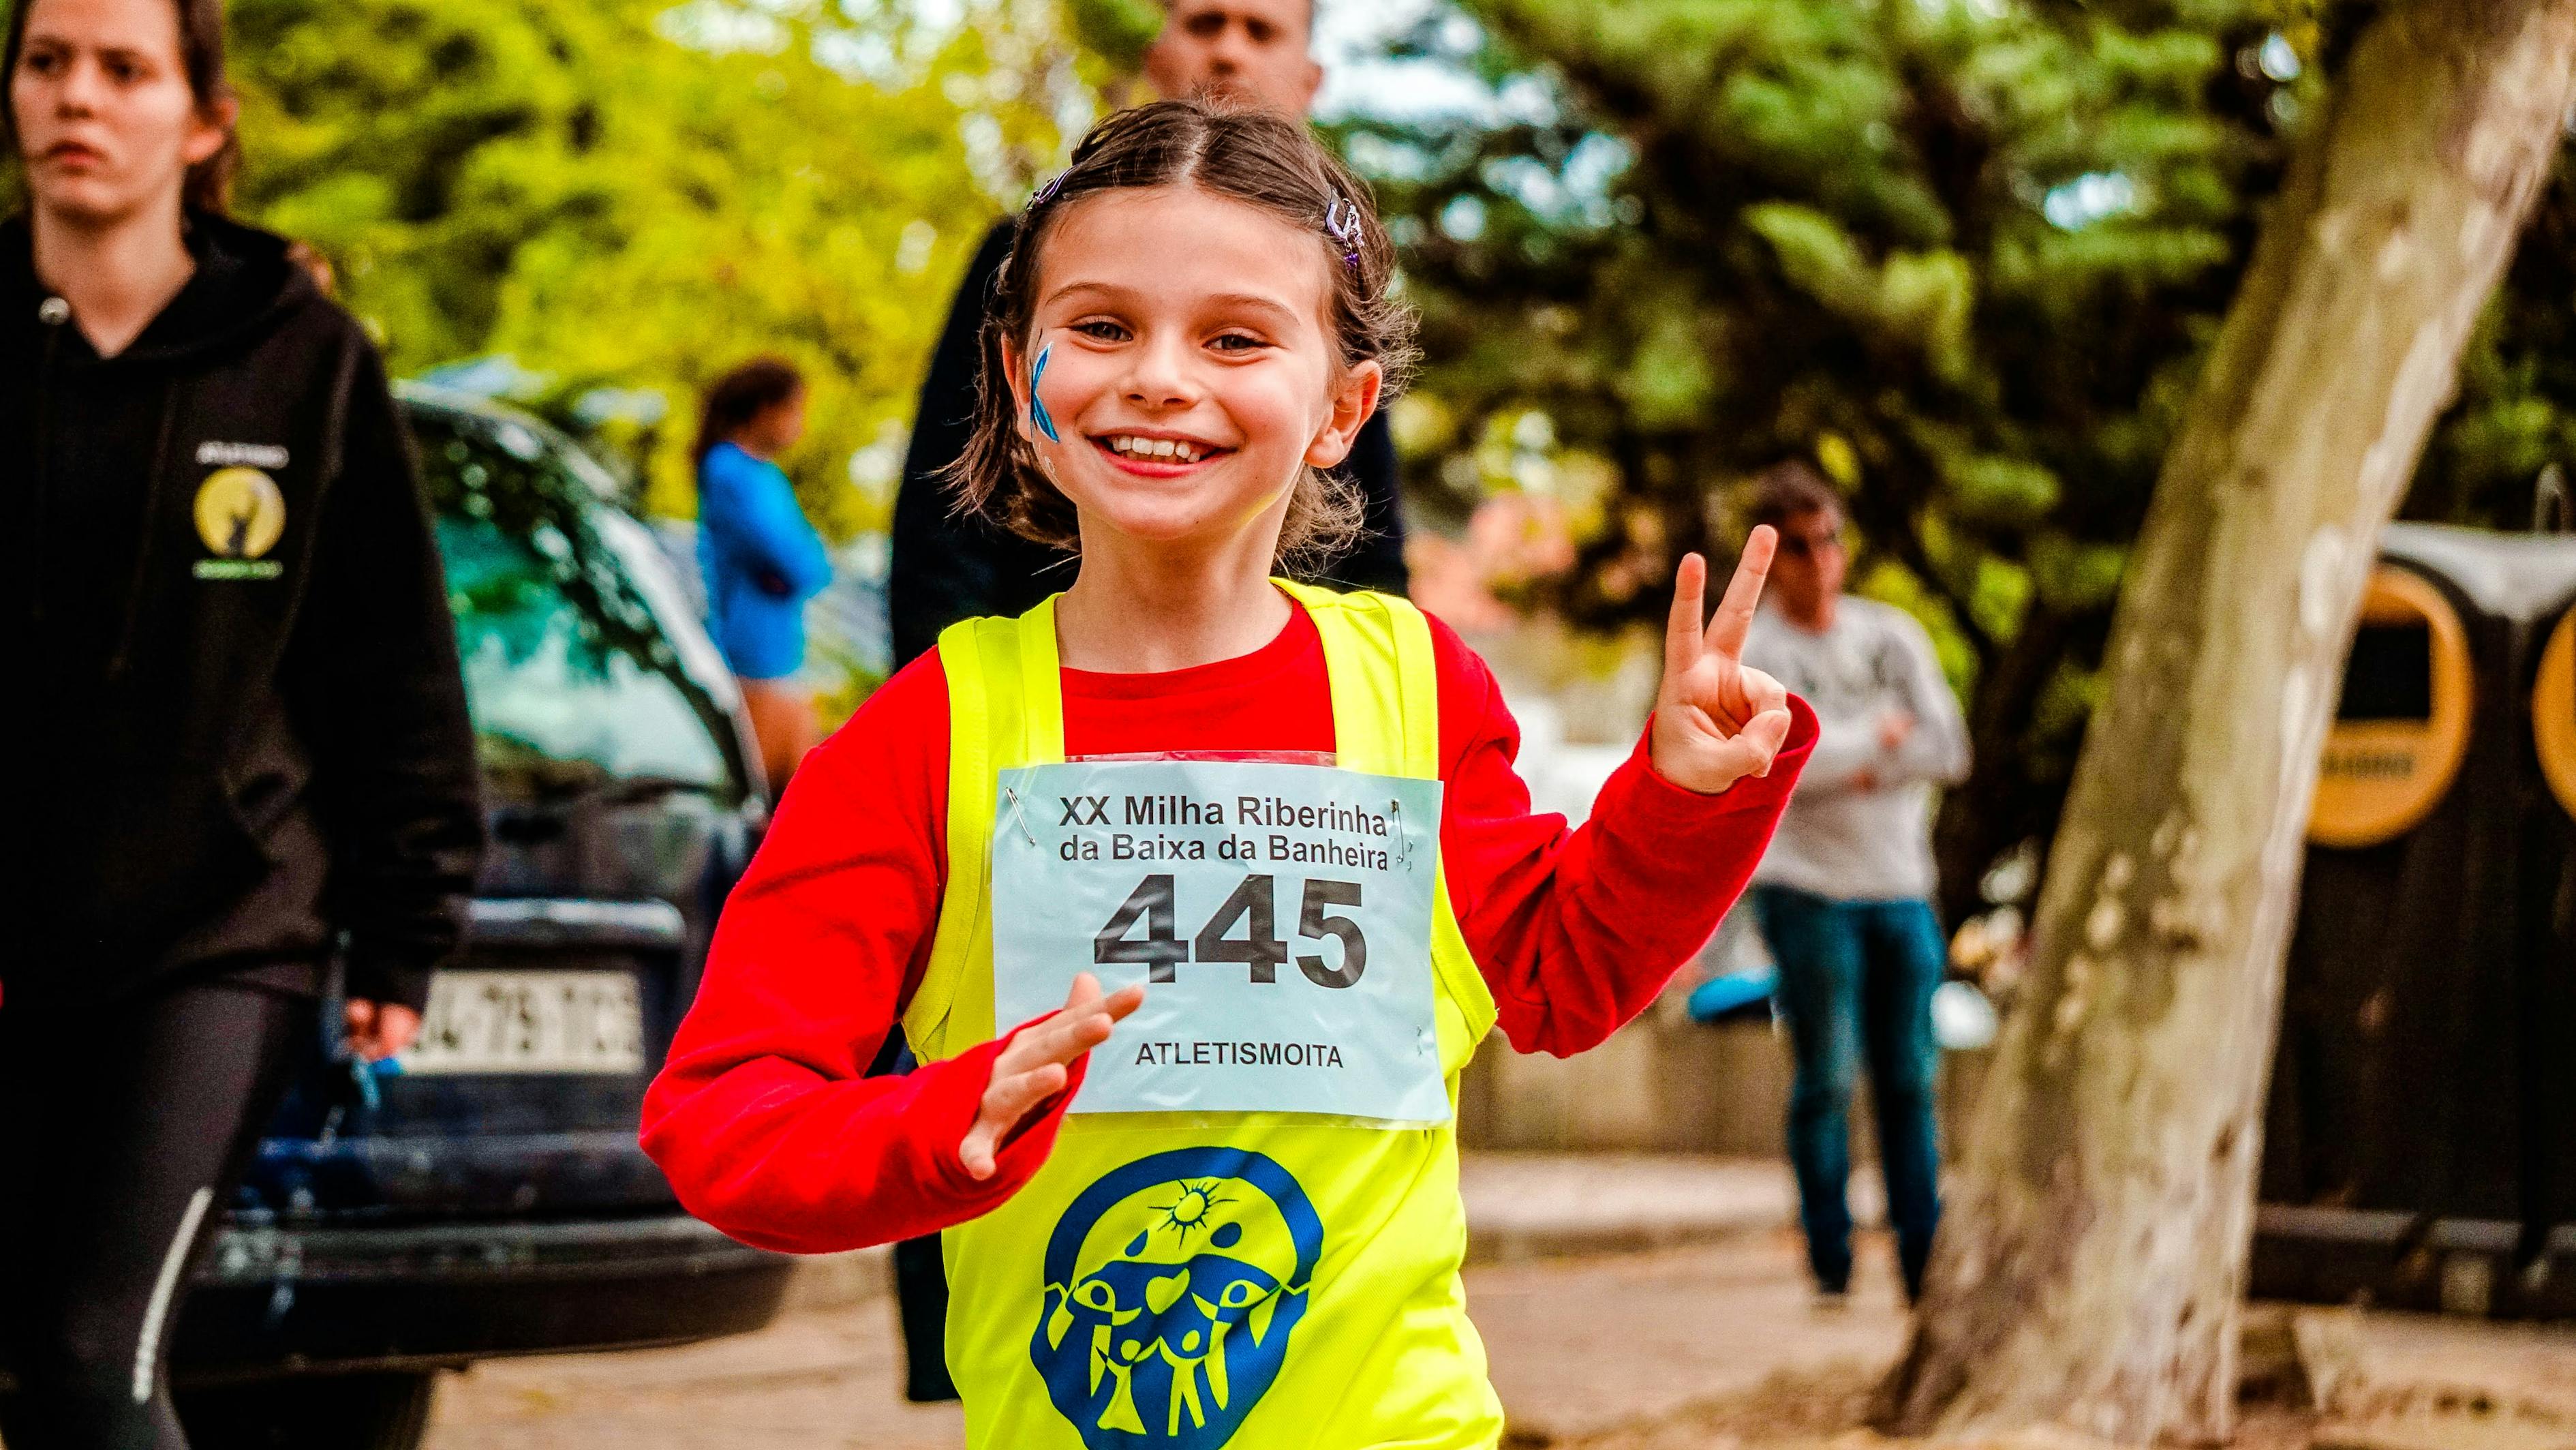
[(1279, 917)]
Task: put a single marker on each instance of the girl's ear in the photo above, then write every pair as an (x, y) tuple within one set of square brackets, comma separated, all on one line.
[(1016, 373), (1353, 401)]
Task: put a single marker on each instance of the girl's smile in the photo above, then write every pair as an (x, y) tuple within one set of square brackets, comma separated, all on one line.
[(1190, 382), (1149, 453)]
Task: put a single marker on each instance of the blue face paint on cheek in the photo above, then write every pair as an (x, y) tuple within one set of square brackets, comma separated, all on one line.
[(1037, 405)]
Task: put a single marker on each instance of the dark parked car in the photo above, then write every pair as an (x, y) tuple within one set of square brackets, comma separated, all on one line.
[(485, 1195)]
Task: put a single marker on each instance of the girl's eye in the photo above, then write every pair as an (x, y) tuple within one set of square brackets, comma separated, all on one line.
[(1236, 342), (1104, 330)]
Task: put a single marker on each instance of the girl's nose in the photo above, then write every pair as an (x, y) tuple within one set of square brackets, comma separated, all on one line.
[(1160, 376)]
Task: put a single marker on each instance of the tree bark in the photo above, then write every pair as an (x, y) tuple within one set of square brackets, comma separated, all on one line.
[(2090, 1270)]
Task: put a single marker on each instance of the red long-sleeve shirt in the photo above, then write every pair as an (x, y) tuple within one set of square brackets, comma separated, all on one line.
[(761, 1118)]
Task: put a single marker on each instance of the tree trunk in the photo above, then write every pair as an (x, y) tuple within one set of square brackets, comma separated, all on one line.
[(2090, 1270)]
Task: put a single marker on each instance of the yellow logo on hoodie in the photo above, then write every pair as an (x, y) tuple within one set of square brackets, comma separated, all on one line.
[(240, 515)]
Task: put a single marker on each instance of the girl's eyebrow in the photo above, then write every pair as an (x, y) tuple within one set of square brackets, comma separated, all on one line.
[(1249, 300)]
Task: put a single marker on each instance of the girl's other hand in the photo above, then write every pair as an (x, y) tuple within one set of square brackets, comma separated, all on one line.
[(378, 1032), (1038, 1063), (1716, 721)]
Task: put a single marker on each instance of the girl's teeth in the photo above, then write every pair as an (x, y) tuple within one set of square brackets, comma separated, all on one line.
[(1157, 448)]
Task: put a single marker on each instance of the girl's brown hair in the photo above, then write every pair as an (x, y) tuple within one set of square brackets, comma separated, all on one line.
[(209, 186), (1243, 155)]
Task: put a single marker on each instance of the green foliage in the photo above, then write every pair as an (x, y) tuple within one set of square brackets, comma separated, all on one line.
[(1117, 30), (625, 194), (2516, 414), (1964, 255)]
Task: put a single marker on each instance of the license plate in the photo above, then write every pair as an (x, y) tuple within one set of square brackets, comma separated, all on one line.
[(530, 1022)]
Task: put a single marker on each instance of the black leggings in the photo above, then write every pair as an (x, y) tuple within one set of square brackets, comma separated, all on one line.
[(122, 1133)]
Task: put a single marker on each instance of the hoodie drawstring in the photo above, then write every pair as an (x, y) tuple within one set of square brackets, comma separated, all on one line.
[(53, 314)]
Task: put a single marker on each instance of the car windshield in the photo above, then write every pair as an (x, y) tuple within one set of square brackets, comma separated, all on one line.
[(575, 685)]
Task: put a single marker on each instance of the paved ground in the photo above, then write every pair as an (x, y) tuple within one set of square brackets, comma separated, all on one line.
[(1578, 1346), (1684, 1325), (1538, 1205)]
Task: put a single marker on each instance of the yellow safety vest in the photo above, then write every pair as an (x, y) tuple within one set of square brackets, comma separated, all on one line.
[(1338, 1320)]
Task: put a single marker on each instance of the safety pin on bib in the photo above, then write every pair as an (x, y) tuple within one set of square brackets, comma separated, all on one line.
[(1403, 837), (1018, 814)]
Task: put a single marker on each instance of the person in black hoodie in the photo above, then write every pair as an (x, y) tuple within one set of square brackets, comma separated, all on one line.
[(242, 740)]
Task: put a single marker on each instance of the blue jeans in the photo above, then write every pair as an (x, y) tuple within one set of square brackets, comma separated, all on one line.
[(1857, 977)]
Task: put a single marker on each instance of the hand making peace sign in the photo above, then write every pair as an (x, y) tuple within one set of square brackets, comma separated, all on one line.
[(1716, 721)]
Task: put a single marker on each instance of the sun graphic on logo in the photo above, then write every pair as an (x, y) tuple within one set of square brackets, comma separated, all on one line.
[(1190, 1211)]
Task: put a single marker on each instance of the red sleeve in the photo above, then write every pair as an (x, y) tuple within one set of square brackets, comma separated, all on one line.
[(1577, 932), (761, 1117)]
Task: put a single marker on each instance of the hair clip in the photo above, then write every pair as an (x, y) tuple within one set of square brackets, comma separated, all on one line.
[(1037, 405), (1047, 192), (1342, 224)]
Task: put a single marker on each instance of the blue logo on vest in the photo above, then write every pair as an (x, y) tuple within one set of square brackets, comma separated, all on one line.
[(1171, 1287)]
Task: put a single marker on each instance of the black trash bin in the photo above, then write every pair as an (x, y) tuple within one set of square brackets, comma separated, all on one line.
[(2420, 1145)]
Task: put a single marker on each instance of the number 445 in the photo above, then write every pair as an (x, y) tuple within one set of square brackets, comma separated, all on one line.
[(1254, 905)]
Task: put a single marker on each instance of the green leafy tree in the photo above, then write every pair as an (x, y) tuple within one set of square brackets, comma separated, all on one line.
[(624, 197), (1968, 256), (1965, 256)]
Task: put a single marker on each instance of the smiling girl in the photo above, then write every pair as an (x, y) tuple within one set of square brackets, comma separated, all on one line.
[(1281, 823)]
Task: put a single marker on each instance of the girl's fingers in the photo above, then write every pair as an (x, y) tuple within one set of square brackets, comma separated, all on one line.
[(1086, 990), (1081, 1025), (1760, 740), (1764, 693), (1682, 631), (1010, 1099), (1062, 1038), (1743, 594), (1037, 1065), (1007, 1101)]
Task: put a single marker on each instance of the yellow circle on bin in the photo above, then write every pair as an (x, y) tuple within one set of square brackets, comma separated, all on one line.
[(2553, 712), (240, 513), (2380, 778)]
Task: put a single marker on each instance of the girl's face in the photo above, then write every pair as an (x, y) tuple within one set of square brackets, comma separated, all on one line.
[(107, 124), (1188, 366)]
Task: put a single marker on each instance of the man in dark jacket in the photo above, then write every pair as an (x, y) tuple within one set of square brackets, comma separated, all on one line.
[(945, 567)]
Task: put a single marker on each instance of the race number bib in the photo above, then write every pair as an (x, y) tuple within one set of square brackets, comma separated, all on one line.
[(1279, 917)]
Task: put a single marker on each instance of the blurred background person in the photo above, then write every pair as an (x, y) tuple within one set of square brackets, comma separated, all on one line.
[(761, 557), (242, 732), (946, 567), (1844, 896)]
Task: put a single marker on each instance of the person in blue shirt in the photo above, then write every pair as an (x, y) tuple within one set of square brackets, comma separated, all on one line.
[(761, 558)]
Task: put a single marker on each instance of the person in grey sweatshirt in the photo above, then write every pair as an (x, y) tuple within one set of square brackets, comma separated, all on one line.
[(1844, 894)]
